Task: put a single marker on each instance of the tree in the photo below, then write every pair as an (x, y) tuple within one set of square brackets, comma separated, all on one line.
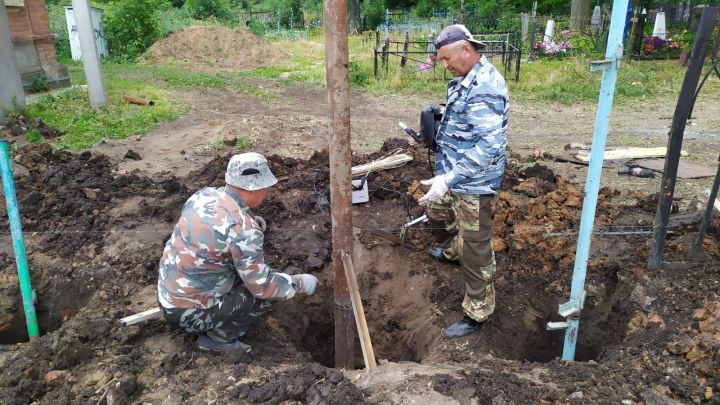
[(354, 16), (580, 11)]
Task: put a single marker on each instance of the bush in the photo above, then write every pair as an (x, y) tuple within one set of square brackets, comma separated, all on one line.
[(257, 27), (131, 26), (173, 19), (357, 75), (58, 26), (202, 9), (39, 84)]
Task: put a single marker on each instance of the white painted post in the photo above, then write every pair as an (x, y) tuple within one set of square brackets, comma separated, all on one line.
[(91, 61), (549, 32), (11, 90), (659, 29)]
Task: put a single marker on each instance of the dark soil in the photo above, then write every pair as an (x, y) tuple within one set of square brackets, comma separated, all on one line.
[(94, 236)]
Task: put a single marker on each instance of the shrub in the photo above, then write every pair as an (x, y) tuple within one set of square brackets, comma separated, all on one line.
[(131, 26), (257, 27), (202, 9), (58, 26), (39, 84), (357, 75)]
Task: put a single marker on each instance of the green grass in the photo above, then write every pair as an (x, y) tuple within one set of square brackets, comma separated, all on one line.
[(566, 81), (570, 81), (69, 111)]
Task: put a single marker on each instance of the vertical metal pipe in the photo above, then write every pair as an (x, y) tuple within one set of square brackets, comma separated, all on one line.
[(677, 130), (91, 60), (697, 254), (338, 88), (17, 237), (592, 185)]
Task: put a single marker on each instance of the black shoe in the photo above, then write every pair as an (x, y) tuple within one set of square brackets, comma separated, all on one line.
[(437, 254), (464, 326), (208, 344)]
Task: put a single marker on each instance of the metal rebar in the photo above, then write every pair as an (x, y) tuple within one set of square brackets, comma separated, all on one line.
[(338, 88), (677, 130), (18, 244)]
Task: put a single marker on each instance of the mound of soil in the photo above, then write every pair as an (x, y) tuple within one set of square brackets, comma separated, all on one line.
[(214, 48), (94, 236)]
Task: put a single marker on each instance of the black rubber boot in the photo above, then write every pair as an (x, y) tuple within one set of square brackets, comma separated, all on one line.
[(437, 254), (464, 326)]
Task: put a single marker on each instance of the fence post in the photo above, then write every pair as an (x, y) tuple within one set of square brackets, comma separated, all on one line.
[(403, 59), (524, 26), (534, 24)]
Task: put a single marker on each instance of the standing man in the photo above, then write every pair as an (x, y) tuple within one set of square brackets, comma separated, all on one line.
[(469, 164), (213, 277)]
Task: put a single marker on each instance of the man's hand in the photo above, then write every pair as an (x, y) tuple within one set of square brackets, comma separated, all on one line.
[(437, 190), (306, 283)]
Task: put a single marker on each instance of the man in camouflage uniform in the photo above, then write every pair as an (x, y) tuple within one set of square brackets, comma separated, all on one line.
[(213, 277), (469, 164)]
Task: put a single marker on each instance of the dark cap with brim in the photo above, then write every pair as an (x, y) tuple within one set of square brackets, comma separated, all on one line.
[(454, 33)]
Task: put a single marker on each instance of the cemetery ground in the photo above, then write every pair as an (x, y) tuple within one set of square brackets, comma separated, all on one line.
[(96, 214)]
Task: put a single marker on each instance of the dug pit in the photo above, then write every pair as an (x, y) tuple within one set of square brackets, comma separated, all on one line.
[(95, 235)]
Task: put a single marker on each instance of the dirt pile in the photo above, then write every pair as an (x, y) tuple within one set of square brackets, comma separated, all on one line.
[(214, 48), (19, 125), (95, 235)]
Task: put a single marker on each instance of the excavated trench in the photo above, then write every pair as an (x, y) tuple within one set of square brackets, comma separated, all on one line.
[(408, 298), (405, 316)]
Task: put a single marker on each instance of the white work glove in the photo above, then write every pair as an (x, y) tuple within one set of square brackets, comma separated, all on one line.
[(306, 283), (261, 221), (437, 190)]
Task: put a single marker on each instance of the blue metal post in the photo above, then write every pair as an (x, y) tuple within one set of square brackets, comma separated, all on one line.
[(609, 66), (17, 237)]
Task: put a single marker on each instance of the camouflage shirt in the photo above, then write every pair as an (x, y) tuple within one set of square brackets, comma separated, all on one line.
[(215, 241), (473, 132)]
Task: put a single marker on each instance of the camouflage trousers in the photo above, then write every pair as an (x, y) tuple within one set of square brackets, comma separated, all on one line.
[(468, 218), (236, 314)]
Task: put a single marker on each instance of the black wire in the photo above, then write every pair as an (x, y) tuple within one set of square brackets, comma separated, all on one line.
[(317, 202)]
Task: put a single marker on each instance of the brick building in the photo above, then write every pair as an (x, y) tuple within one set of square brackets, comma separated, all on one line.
[(34, 43)]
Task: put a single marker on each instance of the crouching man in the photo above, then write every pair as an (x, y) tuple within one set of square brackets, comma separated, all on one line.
[(213, 278)]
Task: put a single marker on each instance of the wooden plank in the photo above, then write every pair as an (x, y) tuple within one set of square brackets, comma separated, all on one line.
[(629, 153), (704, 199), (153, 313), (360, 322), (686, 170)]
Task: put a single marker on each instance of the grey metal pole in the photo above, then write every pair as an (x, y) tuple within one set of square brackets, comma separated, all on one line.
[(91, 60), (677, 130), (338, 88), (11, 90)]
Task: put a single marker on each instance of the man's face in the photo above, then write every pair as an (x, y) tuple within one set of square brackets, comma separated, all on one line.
[(456, 58), (257, 198)]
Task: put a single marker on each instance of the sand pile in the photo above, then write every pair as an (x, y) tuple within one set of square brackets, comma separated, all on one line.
[(214, 48)]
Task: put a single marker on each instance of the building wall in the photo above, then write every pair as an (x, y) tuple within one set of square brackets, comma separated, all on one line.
[(34, 43)]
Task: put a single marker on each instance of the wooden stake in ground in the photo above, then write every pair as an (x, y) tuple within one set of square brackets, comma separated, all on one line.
[(365, 343)]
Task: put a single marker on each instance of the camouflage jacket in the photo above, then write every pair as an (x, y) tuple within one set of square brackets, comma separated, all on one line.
[(473, 132), (215, 241)]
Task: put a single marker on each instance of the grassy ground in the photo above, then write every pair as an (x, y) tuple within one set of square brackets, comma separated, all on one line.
[(565, 81)]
